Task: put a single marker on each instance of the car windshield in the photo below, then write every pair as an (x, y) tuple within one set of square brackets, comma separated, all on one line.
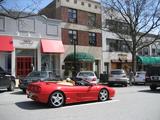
[(38, 74), (86, 74), (117, 72)]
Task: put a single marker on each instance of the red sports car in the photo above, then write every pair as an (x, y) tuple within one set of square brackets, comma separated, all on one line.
[(57, 94)]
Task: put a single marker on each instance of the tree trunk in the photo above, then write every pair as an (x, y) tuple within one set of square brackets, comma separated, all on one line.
[(134, 63)]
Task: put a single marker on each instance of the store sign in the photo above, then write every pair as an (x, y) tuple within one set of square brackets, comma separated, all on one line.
[(26, 42), (122, 56)]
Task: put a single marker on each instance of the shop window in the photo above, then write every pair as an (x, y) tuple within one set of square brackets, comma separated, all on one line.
[(5, 61), (72, 15), (92, 39), (73, 37)]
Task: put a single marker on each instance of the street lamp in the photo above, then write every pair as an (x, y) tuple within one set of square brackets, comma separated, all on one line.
[(74, 60)]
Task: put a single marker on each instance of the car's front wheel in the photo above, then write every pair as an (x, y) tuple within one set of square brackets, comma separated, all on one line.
[(103, 95), (11, 86), (56, 99), (153, 87)]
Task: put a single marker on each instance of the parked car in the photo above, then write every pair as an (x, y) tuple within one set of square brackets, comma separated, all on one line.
[(139, 77), (118, 76), (153, 77), (87, 75), (36, 76), (6, 80), (57, 94)]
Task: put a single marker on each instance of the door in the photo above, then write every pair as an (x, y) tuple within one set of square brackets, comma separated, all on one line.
[(23, 65)]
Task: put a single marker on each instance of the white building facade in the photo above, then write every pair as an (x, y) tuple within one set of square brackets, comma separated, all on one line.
[(32, 43)]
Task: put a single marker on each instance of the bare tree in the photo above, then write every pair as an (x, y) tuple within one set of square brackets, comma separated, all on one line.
[(141, 17), (16, 11)]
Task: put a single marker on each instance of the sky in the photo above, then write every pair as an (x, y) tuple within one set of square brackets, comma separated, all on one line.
[(20, 4)]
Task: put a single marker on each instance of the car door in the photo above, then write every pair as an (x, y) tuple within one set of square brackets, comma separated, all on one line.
[(1, 80), (4, 79), (86, 92)]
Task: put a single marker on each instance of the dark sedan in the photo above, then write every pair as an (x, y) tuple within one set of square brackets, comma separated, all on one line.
[(36, 76), (6, 80)]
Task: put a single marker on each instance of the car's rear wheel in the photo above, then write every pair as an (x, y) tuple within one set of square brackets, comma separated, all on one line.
[(56, 99), (103, 95), (11, 86)]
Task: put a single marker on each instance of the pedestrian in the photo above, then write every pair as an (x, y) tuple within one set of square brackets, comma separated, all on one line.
[(131, 77), (32, 67)]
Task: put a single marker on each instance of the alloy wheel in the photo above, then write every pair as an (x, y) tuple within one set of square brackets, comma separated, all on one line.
[(57, 99), (103, 95)]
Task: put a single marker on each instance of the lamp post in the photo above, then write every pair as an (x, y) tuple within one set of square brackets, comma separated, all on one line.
[(74, 60)]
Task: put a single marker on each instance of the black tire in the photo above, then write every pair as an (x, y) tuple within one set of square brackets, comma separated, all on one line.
[(24, 90), (11, 86), (153, 87), (56, 99), (103, 95), (125, 85)]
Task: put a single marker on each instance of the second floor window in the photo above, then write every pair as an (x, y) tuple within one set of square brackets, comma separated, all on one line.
[(73, 36), (117, 26), (117, 45), (72, 15), (92, 39)]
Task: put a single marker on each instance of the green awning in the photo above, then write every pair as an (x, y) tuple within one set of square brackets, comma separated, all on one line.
[(80, 57), (146, 60)]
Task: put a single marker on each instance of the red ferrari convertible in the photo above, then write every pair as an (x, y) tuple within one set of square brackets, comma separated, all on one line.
[(57, 94)]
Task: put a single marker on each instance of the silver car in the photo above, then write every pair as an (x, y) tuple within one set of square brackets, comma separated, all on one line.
[(87, 75), (140, 77), (118, 76)]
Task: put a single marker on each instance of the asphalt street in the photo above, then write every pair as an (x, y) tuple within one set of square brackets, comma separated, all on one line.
[(130, 103)]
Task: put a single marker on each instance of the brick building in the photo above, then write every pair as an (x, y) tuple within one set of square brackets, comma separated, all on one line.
[(81, 33)]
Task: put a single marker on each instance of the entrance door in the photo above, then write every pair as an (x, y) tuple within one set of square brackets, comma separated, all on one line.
[(23, 65)]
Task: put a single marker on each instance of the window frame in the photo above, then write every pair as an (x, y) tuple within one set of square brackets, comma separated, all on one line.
[(92, 39), (72, 15), (91, 19), (73, 36)]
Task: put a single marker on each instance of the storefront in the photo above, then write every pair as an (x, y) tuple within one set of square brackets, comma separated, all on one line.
[(122, 62), (81, 61), (36, 54)]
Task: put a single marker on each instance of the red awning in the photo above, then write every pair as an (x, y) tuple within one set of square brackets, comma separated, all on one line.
[(6, 43), (52, 46)]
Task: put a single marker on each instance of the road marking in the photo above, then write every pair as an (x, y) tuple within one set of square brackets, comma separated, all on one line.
[(89, 103)]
